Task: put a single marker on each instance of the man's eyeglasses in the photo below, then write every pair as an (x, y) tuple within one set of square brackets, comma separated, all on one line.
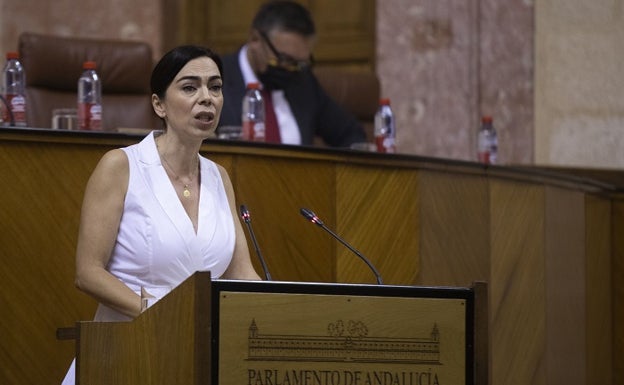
[(284, 60)]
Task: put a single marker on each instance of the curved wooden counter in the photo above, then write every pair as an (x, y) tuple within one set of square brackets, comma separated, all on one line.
[(546, 241)]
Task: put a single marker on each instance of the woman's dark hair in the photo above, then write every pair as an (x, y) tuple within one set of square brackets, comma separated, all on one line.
[(173, 61), (287, 16)]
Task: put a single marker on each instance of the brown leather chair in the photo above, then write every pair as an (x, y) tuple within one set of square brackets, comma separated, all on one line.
[(53, 65), (356, 91)]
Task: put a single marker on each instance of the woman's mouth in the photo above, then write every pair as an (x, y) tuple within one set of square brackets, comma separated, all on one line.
[(205, 117)]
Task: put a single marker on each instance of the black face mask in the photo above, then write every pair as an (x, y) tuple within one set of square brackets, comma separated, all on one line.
[(277, 78)]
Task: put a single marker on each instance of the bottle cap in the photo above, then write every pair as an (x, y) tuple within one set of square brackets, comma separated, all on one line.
[(384, 101), (12, 55), (253, 86), (89, 65), (486, 119)]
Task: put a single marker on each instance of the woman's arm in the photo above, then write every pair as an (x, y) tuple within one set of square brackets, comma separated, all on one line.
[(240, 267), (102, 209)]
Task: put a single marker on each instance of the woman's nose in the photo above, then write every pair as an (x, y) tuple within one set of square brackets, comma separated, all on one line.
[(204, 95)]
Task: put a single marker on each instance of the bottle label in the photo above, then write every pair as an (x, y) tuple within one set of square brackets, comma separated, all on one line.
[(253, 131), (484, 157), (493, 157), (248, 130), (487, 147), (259, 132), (90, 116), (385, 144), (17, 104)]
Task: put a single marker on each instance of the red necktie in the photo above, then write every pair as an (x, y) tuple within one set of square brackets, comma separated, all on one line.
[(270, 121)]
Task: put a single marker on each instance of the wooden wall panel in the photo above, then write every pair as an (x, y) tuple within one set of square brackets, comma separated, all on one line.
[(566, 286), (226, 32), (377, 213), (345, 29), (517, 288), (41, 190), (617, 277), (454, 216), (274, 191), (599, 287)]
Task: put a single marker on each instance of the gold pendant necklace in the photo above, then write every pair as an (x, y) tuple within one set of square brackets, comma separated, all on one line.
[(186, 191)]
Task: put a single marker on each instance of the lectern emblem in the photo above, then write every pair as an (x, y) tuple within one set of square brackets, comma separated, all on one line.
[(346, 341)]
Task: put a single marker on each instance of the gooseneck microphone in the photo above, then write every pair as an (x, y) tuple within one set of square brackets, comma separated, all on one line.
[(244, 213), (309, 215)]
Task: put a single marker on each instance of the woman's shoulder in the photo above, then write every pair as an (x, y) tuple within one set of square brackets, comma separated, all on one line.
[(113, 163), (115, 158), (110, 174)]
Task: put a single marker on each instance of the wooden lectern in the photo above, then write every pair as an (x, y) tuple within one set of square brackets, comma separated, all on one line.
[(270, 333)]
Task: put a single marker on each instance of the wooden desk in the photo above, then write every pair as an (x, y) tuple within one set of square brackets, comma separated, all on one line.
[(548, 243)]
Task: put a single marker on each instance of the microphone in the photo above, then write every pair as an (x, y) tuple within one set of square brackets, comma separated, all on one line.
[(244, 213), (309, 215)]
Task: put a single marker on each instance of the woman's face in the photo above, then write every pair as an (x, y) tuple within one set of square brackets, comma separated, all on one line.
[(194, 99)]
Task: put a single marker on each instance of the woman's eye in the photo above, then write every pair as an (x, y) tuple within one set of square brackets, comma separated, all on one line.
[(216, 88), (188, 88)]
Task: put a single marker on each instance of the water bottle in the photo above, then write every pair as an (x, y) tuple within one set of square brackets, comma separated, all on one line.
[(253, 114), (487, 142), (14, 91), (385, 132), (89, 98)]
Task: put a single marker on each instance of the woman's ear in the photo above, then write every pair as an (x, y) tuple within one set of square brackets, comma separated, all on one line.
[(158, 107)]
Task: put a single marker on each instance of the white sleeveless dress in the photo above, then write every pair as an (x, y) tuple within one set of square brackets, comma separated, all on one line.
[(157, 247)]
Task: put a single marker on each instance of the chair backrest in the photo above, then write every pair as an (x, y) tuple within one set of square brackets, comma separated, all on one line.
[(53, 65), (356, 91)]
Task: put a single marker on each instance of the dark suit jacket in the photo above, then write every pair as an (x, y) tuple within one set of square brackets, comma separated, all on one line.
[(316, 113)]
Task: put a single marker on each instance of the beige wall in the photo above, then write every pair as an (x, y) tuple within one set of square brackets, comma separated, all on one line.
[(117, 19), (445, 63), (579, 78)]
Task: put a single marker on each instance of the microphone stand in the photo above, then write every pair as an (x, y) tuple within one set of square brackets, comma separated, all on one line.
[(316, 220), (247, 219)]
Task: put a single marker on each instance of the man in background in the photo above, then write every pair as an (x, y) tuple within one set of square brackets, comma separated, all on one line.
[(278, 55)]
